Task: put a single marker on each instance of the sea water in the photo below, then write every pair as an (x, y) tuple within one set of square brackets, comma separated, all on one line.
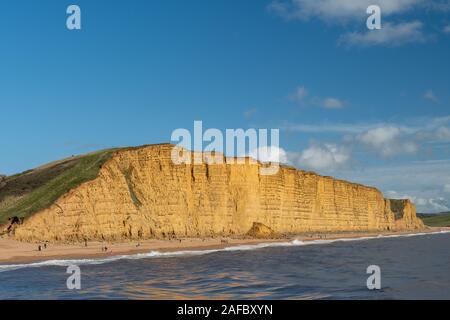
[(411, 267)]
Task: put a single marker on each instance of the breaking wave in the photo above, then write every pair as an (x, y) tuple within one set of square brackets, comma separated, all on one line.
[(158, 254)]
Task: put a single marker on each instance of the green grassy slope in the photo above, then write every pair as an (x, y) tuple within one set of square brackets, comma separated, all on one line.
[(26, 193), (436, 220)]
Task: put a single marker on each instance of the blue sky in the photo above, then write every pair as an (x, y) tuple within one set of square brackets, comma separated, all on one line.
[(370, 106)]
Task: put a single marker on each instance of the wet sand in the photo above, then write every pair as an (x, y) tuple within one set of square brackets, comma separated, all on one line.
[(12, 252)]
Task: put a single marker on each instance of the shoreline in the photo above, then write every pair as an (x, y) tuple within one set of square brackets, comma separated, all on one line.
[(15, 252)]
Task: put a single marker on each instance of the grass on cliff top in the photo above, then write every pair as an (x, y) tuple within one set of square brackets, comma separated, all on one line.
[(24, 194), (436, 220)]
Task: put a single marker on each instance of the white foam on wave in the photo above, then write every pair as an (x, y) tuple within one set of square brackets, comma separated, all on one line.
[(158, 254)]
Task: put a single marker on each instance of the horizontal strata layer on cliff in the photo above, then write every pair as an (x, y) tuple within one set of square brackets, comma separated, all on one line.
[(140, 193)]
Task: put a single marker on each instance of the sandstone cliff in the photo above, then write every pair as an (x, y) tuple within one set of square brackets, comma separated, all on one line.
[(139, 193)]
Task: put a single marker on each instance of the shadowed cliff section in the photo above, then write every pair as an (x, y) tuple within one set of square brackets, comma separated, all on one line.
[(139, 193)]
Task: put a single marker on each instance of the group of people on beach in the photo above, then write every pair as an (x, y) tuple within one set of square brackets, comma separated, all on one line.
[(42, 246)]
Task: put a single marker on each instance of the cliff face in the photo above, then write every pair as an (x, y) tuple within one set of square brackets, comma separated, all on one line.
[(139, 193)]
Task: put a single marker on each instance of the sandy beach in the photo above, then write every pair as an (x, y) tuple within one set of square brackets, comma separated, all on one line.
[(12, 252)]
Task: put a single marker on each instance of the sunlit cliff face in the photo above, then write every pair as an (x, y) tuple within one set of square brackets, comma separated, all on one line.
[(140, 193)]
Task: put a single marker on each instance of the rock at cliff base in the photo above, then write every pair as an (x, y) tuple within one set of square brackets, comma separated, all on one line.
[(9, 227), (260, 231)]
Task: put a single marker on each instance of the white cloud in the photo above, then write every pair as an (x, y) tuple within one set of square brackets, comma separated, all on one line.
[(439, 5), (326, 157), (379, 136), (429, 95), (423, 129), (436, 135), (333, 103), (427, 183), (344, 11), (423, 204), (447, 188), (442, 134), (420, 181), (389, 35), (251, 112), (301, 95), (386, 141), (269, 154), (337, 10), (330, 127)]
